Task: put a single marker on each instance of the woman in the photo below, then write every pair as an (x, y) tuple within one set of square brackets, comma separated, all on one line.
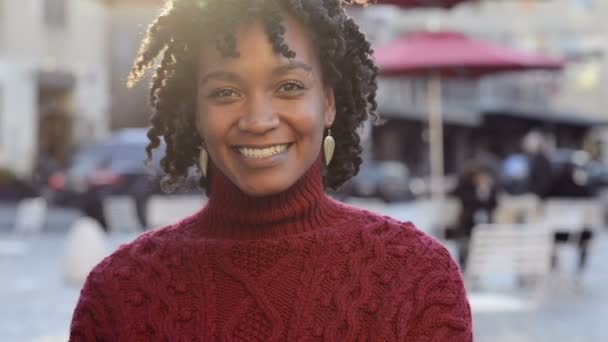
[(253, 92)]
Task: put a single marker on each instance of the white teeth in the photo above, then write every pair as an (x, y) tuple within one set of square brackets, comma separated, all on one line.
[(262, 152)]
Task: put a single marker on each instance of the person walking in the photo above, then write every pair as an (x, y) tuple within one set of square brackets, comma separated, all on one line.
[(266, 96), (477, 192), (540, 178)]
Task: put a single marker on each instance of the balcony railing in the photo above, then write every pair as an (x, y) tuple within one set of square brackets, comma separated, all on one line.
[(407, 98), (463, 100)]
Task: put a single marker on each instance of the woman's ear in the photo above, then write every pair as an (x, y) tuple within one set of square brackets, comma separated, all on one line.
[(330, 107)]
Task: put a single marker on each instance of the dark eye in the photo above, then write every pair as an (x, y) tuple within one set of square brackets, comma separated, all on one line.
[(224, 93), (291, 86)]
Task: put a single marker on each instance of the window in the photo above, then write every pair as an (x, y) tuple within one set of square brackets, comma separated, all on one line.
[(55, 13)]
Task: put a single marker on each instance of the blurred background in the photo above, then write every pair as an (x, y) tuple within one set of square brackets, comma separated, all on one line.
[(494, 141)]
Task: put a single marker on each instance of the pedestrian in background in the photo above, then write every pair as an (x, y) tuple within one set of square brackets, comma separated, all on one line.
[(539, 167), (477, 192), (266, 97)]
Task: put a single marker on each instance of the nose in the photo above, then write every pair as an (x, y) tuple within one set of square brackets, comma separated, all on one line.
[(260, 116)]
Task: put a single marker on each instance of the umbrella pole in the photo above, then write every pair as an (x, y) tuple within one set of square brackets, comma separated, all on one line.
[(436, 141)]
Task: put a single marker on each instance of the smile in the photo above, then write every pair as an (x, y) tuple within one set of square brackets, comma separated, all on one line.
[(258, 153)]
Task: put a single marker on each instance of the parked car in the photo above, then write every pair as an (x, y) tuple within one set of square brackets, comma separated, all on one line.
[(113, 166), (388, 180), (598, 174), (420, 187), (572, 174), (13, 189)]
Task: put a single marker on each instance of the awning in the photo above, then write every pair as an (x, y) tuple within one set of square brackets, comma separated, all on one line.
[(548, 115)]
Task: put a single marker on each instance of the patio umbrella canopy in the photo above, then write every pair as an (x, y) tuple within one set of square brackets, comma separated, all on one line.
[(454, 54), (422, 3), (450, 54)]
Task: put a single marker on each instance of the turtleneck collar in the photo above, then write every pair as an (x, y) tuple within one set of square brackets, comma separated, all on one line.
[(232, 214)]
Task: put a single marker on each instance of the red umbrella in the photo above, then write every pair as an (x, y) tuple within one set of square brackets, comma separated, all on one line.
[(451, 53), (447, 54), (422, 3)]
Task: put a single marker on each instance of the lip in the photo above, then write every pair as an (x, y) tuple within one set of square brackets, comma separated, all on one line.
[(260, 146), (262, 163)]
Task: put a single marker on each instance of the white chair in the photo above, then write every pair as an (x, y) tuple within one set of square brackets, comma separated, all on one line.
[(30, 216), (573, 214), (579, 218), (499, 256), (120, 213), (594, 215), (517, 209), (565, 214)]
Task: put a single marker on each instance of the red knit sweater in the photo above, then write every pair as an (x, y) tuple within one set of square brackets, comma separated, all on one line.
[(297, 266)]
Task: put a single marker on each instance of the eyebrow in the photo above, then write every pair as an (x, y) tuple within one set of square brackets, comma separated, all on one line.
[(283, 69), (232, 77), (220, 76)]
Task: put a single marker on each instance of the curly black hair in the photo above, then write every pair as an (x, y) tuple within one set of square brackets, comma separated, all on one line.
[(184, 27)]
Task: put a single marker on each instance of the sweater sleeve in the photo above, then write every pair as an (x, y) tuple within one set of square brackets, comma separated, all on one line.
[(95, 314), (442, 311)]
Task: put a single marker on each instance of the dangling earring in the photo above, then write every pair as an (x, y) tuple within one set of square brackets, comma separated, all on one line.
[(203, 160), (329, 145)]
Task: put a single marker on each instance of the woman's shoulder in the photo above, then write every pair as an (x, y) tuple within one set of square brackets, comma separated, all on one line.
[(135, 256), (401, 238)]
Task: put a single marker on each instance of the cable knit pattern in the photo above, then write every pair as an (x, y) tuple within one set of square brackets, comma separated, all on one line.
[(298, 266)]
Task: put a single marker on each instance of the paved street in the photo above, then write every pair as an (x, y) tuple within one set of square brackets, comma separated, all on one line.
[(37, 306)]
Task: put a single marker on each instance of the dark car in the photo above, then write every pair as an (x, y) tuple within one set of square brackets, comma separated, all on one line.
[(598, 175), (387, 180), (572, 174), (13, 189), (114, 166)]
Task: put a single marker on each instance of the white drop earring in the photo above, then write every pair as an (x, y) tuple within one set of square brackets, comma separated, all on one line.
[(203, 160), (329, 145)]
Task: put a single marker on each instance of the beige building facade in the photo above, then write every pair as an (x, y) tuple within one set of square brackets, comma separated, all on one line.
[(127, 23), (53, 79)]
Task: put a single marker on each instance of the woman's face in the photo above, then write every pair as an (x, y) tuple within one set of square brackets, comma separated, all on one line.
[(262, 116)]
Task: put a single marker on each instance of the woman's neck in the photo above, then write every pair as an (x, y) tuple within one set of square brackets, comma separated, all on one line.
[(232, 214)]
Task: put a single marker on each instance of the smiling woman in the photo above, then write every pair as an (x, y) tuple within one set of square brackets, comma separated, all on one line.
[(262, 117), (197, 41), (258, 94)]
